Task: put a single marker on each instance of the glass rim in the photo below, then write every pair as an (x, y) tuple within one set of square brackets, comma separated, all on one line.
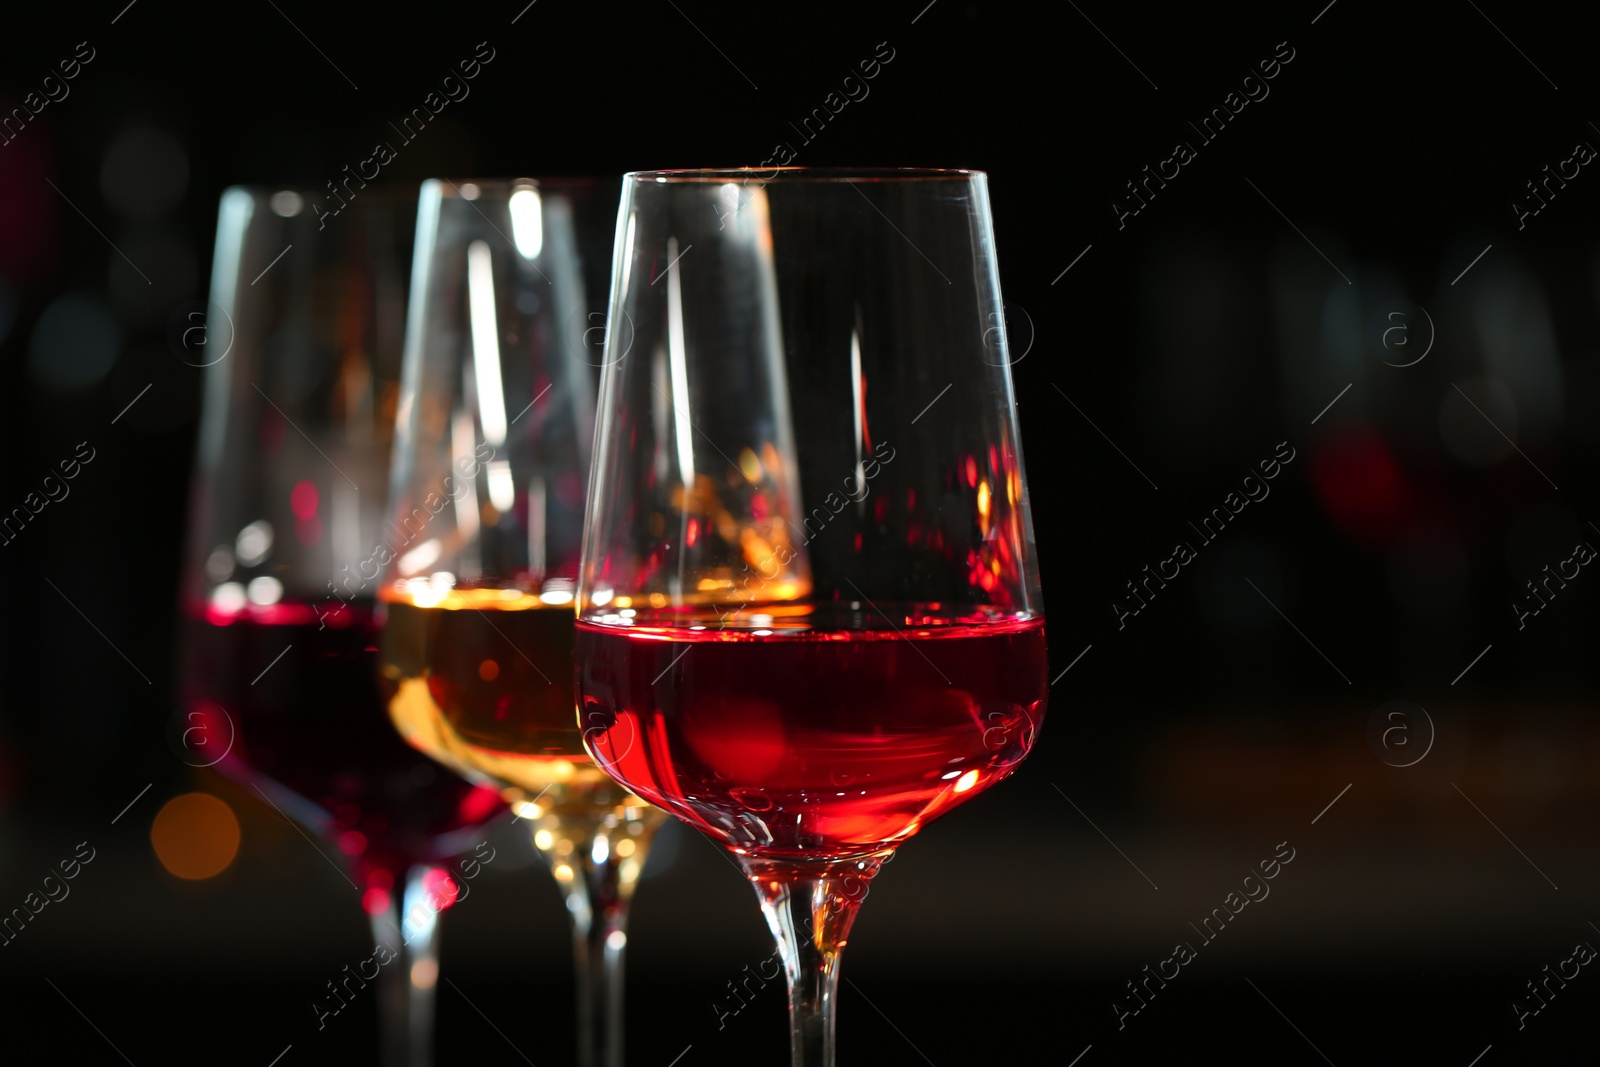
[(804, 174), (381, 190), (451, 187), (402, 190)]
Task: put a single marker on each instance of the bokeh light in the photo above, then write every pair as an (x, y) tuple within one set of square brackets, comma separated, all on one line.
[(195, 836), (145, 173), (375, 901), (440, 888), (478, 804), (254, 542), (74, 342), (29, 208), (303, 499), (1359, 483), (287, 203)]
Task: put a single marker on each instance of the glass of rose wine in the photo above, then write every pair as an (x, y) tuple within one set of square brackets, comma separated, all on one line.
[(301, 346), (809, 608), (494, 432)]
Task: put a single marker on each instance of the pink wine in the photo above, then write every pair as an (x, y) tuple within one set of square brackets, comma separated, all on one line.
[(310, 729), (811, 744)]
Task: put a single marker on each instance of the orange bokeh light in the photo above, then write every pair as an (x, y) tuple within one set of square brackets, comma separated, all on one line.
[(195, 836)]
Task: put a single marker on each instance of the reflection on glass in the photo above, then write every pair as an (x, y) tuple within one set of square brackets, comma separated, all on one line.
[(809, 615), (496, 421), (280, 652)]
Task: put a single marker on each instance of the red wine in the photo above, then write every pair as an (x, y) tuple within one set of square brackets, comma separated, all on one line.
[(811, 743), (309, 728)]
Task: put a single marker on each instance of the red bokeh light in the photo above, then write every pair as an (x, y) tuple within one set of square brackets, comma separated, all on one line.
[(375, 900), (440, 887), (479, 805), (303, 499), (1359, 484), (29, 242)]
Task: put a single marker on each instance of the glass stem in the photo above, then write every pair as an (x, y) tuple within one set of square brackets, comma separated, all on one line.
[(810, 908), (598, 885), (408, 930), (391, 987)]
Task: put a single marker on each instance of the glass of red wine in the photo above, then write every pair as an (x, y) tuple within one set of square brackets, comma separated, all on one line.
[(301, 344), (809, 607)]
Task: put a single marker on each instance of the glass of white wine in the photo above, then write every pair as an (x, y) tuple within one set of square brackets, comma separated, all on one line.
[(492, 448)]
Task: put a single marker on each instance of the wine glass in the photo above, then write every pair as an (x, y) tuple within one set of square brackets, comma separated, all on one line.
[(495, 427), (301, 345), (809, 609)]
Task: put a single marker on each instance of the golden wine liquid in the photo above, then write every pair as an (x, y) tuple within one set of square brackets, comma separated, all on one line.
[(482, 681)]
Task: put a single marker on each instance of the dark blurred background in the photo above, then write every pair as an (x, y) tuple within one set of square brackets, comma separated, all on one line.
[(1167, 353)]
